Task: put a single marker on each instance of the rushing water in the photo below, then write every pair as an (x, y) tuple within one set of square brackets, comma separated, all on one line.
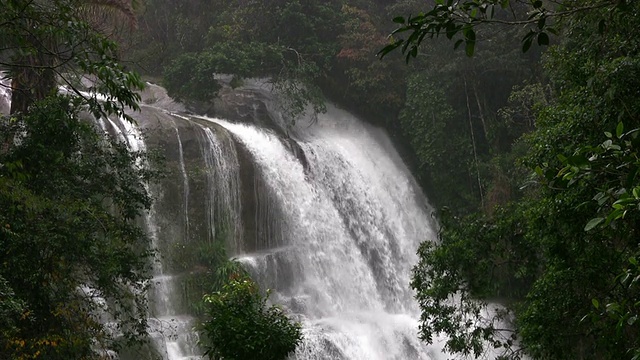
[(328, 217), (352, 219)]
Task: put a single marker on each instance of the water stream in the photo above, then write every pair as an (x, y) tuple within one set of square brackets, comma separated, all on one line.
[(352, 219), (328, 217)]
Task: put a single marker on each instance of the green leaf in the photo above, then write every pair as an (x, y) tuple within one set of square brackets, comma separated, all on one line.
[(538, 171), (614, 215), (541, 22), (613, 308), (398, 20), (414, 51), (625, 201), (578, 160), (596, 303), (451, 30), (593, 223), (387, 49), (543, 39), (600, 197), (470, 35), (619, 130), (470, 48)]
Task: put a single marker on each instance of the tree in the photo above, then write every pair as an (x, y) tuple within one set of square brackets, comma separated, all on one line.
[(459, 21), (256, 40), (69, 197), (461, 117), (563, 257), (241, 326), (44, 42)]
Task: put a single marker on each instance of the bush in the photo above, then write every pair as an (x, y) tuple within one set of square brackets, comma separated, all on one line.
[(242, 326)]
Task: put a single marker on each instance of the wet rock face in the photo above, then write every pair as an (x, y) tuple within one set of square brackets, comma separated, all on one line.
[(169, 127), (156, 96), (190, 209), (250, 104), (243, 106)]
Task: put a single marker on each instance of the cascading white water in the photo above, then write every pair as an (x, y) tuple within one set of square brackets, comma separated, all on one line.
[(349, 220), (169, 328), (352, 221), (5, 94), (222, 164), (185, 182)]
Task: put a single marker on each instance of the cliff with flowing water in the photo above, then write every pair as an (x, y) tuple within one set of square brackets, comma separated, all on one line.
[(324, 213)]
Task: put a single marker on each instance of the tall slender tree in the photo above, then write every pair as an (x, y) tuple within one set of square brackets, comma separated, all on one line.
[(42, 41)]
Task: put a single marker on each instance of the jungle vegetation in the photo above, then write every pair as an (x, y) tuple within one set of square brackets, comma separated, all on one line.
[(519, 119), (71, 253), (529, 148)]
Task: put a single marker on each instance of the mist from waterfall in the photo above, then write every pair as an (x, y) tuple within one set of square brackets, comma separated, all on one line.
[(351, 218), (327, 216)]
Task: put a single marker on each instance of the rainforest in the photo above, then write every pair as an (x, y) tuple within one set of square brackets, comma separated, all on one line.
[(338, 179)]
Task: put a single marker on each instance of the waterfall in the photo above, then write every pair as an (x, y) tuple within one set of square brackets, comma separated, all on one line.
[(185, 180), (5, 94), (352, 218), (224, 197), (327, 216), (170, 328)]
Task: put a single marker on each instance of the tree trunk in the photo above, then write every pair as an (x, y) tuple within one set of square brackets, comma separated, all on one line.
[(33, 79), (484, 123), (473, 141), (30, 55)]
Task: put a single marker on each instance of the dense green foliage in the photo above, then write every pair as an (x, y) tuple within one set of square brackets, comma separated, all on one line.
[(536, 159), (303, 46), (562, 257), (69, 199), (71, 254), (242, 326), (213, 270), (459, 21), (44, 43), (286, 40), (451, 111), (315, 50)]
